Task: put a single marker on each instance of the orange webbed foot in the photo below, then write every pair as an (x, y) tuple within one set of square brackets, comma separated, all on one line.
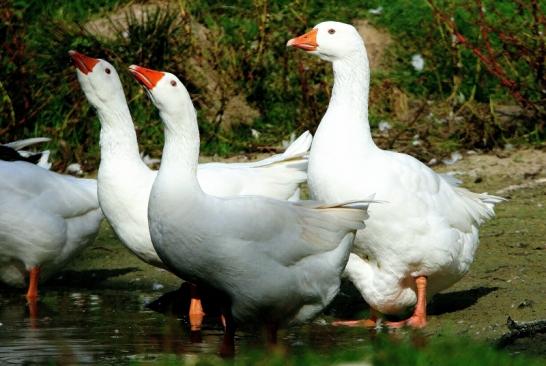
[(419, 317), (413, 322), (417, 322), (364, 323)]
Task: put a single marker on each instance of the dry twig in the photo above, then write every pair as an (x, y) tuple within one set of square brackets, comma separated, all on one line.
[(520, 330)]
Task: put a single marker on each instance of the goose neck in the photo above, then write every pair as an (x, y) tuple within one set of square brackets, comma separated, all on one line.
[(118, 138), (181, 149), (350, 95), (352, 80)]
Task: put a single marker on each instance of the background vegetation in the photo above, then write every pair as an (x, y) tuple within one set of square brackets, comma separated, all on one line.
[(483, 83)]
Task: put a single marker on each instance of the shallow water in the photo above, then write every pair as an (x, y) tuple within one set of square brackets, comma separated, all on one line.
[(90, 327), (117, 327)]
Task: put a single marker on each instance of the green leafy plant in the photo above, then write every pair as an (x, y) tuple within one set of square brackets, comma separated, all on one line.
[(482, 84)]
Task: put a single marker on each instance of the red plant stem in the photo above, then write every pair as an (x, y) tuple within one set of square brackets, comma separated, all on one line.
[(484, 30), (541, 55), (489, 61)]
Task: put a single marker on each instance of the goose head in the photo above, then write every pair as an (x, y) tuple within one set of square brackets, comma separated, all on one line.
[(165, 90), (99, 80), (330, 41)]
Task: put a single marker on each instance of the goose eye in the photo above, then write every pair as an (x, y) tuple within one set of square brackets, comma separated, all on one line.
[(331, 30), (173, 83), (107, 70)]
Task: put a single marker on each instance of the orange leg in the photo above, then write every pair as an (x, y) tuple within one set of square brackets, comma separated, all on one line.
[(32, 293), (32, 296), (365, 323), (196, 312), (419, 317)]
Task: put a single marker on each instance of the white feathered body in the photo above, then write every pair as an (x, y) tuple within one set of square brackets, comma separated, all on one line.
[(123, 191), (45, 219), (124, 186), (276, 262), (425, 225)]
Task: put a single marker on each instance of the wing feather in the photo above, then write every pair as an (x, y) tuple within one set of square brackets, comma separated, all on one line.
[(290, 232)]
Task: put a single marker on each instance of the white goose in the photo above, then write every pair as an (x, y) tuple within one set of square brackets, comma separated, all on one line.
[(45, 220), (124, 181), (277, 262), (424, 238)]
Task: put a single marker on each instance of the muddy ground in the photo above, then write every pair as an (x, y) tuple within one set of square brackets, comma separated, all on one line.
[(508, 277)]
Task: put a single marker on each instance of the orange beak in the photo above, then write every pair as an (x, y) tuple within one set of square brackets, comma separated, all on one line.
[(84, 63), (147, 77), (307, 42)]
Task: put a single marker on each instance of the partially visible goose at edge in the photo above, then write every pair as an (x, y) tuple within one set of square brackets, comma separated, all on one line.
[(423, 239), (124, 181), (277, 262), (45, 220), (13, 151)]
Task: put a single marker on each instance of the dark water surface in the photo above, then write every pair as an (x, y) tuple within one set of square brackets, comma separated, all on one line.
[(117, 327), (91, 327)]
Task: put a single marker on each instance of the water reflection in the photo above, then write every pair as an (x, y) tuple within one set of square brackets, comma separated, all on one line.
[(116, 327), (82, 328)]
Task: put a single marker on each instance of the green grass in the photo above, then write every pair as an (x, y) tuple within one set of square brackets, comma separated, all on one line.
[(382, 351)]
